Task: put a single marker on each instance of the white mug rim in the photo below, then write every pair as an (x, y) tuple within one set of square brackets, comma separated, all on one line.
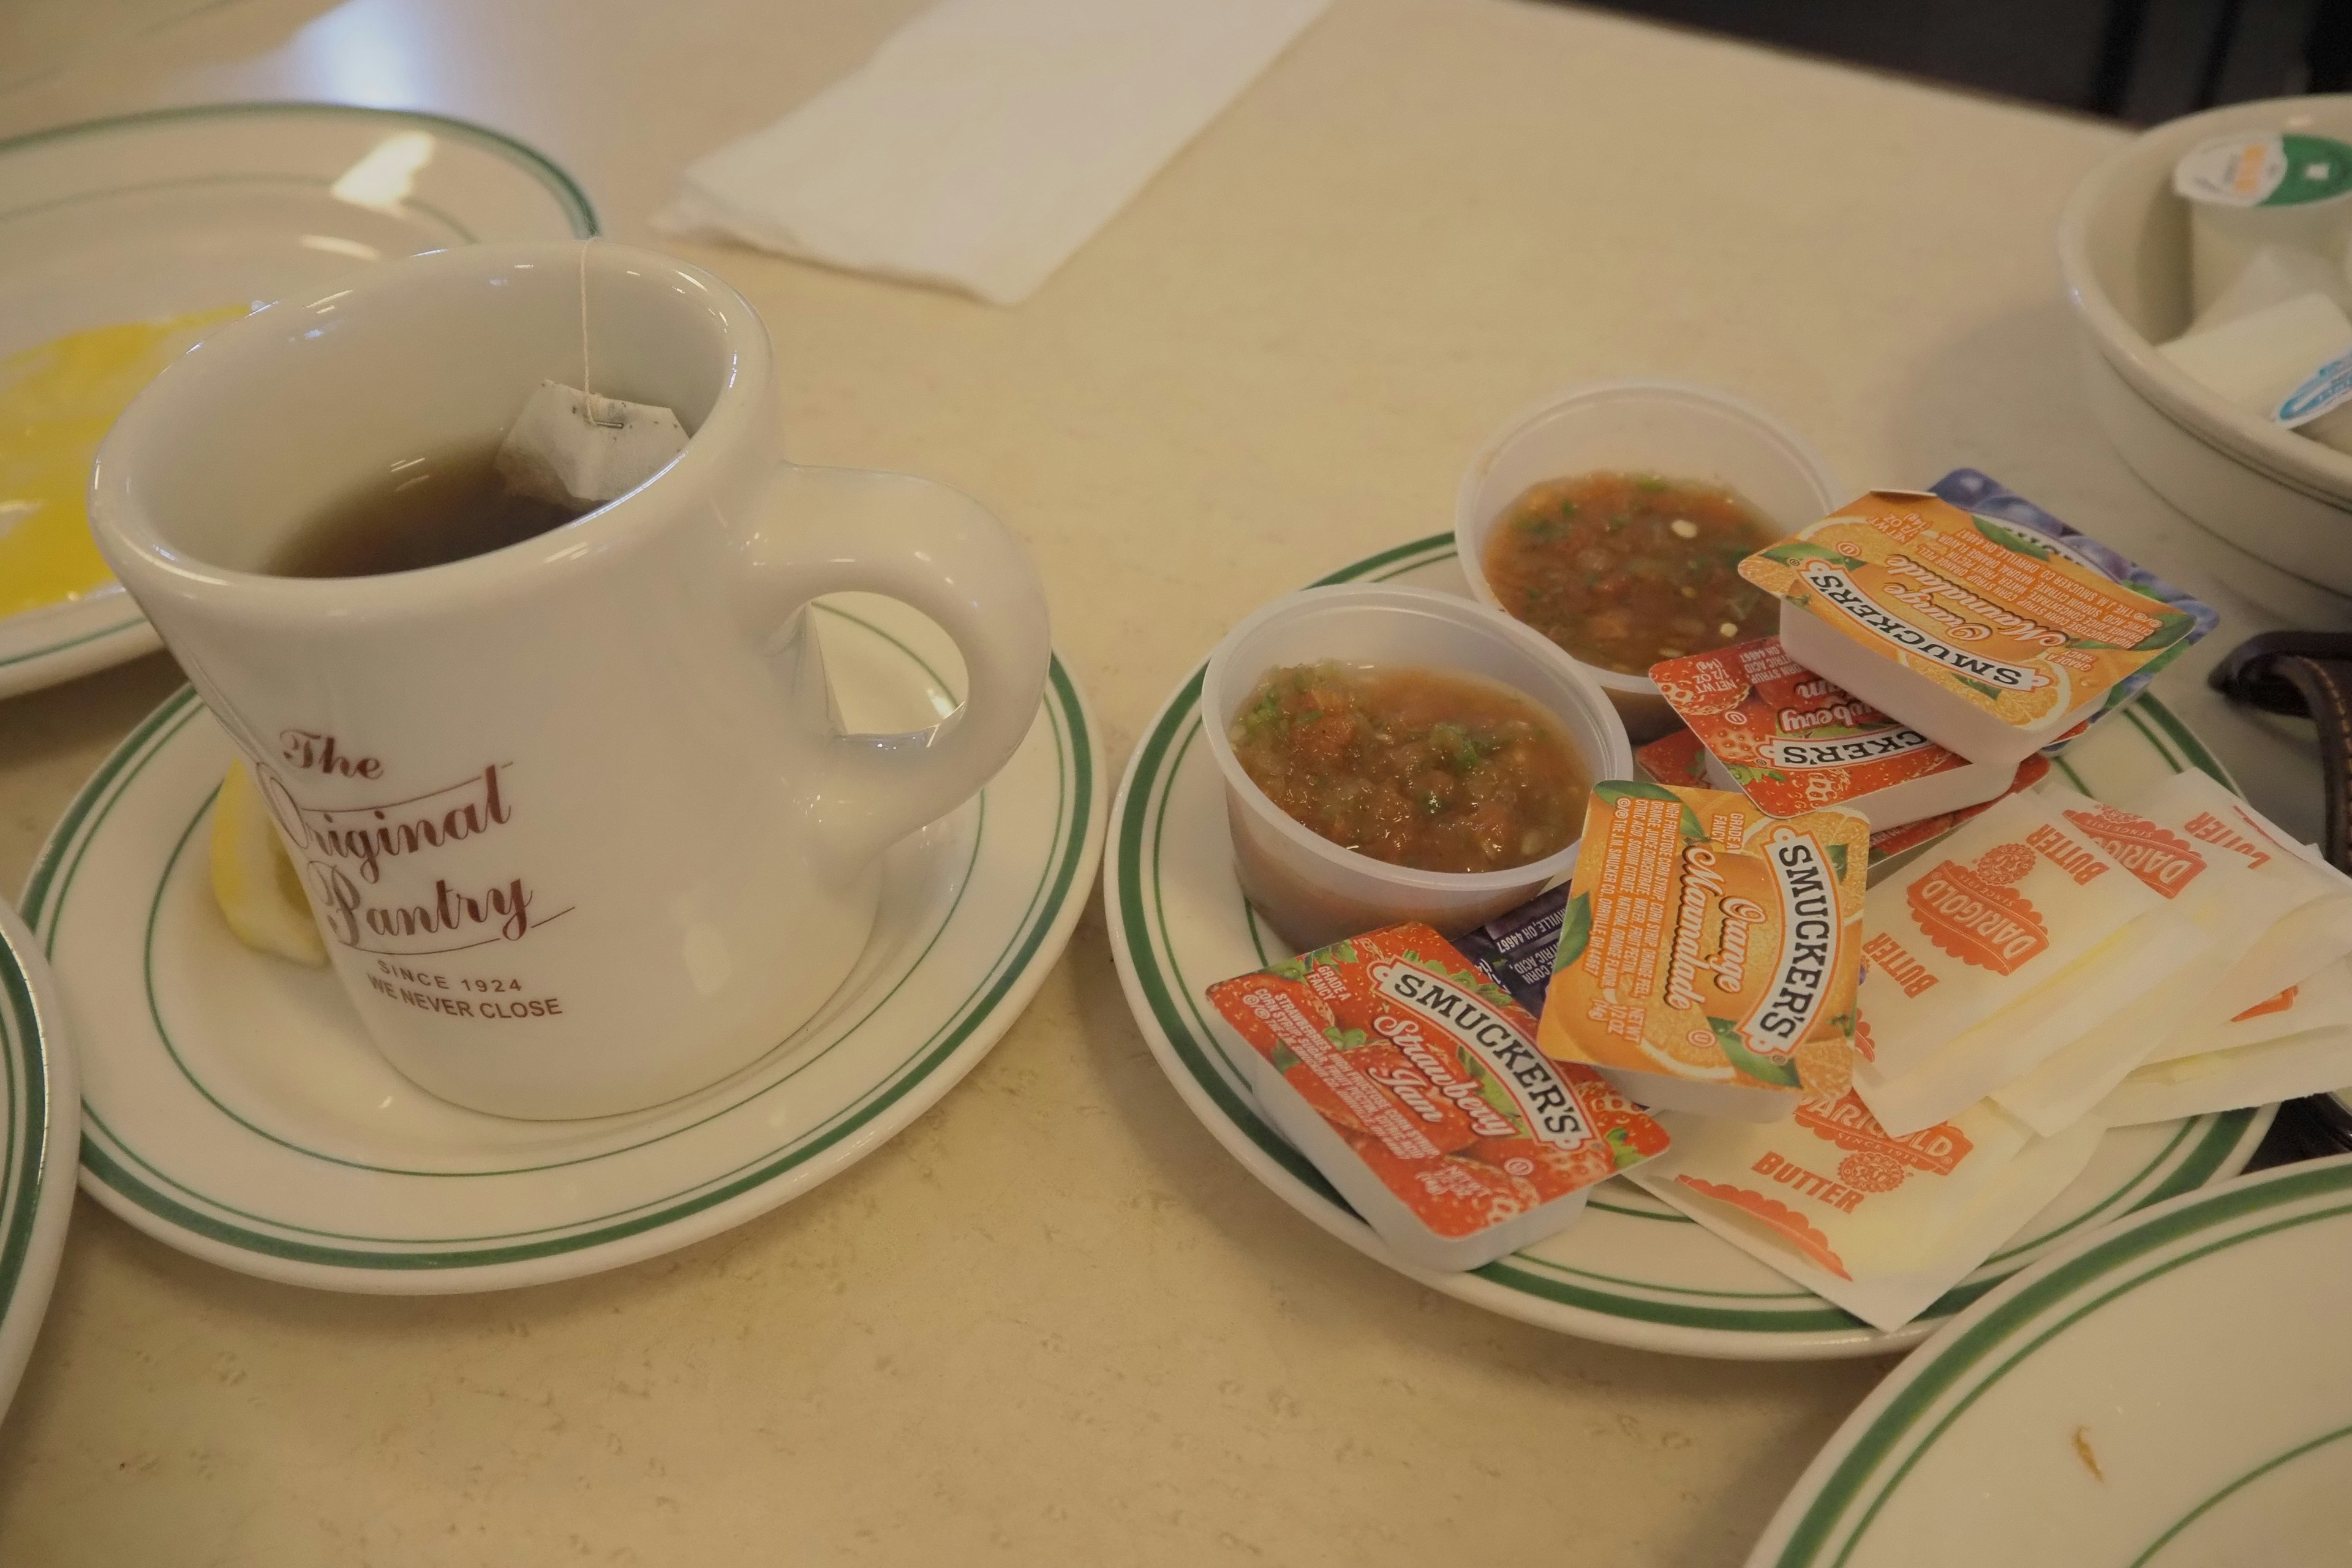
[(120, 517)]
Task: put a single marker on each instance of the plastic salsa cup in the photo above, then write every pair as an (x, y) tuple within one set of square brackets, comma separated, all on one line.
[(1312, 892), (1671, 428)]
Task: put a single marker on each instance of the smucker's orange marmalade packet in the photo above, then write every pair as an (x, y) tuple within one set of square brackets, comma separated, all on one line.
[(1710, 951), (1991, 615), (1412, 1079)]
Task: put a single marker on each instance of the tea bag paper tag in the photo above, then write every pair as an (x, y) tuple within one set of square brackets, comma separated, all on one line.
[(577, 449)]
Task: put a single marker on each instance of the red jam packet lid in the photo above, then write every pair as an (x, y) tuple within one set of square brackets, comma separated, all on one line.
[(1680, 761), (1795, 741), (1413, 1083)]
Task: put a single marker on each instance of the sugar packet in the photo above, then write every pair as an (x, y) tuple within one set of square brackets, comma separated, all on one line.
[(1880, 1224), (2019, 936), (2216, 893), (1414, 1084)]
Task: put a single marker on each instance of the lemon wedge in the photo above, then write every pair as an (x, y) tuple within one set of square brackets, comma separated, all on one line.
[(253, 879)]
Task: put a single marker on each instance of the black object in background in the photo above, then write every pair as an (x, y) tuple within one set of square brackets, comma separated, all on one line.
[(2141, 61)]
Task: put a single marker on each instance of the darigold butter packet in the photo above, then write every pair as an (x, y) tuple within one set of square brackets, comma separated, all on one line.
[(1710, 952), (2015, 937), (1880, 1224)]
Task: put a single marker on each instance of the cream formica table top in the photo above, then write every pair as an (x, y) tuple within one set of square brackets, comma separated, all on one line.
[(1053, 1322)]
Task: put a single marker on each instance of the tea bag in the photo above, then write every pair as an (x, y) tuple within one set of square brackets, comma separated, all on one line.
[(569, 447), (1878, 1224), (580, 450)]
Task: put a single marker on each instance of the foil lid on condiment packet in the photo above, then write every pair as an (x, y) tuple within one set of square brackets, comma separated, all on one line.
[(1413, 1083), (1515, 949), (1710, 951), (1988, 641), (1880, 1224), (2019, 934), (1678, 759), (1981, 495), (1793, 742)]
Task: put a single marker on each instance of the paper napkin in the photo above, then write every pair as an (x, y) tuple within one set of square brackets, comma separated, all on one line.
[(988, 139)]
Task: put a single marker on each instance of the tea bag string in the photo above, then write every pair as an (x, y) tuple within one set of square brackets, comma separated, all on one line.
[(600, 410)]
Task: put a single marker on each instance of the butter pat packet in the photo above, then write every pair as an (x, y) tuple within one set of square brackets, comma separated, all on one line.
[(2016, 937), (2217, 893), (1985, 640), (2322, 1002), (2316, 1061), (1882, 1226), (1413, 1083), (2313, 934), (1710, 952), (1793, 742)]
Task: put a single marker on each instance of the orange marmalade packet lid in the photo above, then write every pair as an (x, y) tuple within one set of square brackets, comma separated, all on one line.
[(1710, 951), (1412, 1081), (1990, 615)]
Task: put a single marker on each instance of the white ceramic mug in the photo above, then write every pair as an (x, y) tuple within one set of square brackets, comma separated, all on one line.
[(576, 816)]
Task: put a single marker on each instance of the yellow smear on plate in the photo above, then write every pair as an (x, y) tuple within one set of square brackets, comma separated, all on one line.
[(58, 400)]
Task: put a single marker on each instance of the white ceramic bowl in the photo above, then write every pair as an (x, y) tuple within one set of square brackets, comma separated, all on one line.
[(1310, 890), (1666, 427), (2123, 253)]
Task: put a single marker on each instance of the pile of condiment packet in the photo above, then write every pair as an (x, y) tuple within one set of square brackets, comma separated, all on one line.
[(1882, 980)]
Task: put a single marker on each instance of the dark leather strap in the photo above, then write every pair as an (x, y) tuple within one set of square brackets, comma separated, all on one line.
[(2309, 675)]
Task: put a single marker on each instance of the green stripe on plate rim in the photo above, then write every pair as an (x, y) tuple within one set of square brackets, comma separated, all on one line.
[(578, 210), (25, 1163), (45, 651), (1192, 1042), (45, 901), (1942, 1371)]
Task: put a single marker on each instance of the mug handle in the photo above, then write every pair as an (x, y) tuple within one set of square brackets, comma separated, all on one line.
[(824, 531)]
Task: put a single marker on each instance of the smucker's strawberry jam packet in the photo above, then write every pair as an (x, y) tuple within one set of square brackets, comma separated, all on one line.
[(1880, 1224), (1412, 1081), (1710, 951)]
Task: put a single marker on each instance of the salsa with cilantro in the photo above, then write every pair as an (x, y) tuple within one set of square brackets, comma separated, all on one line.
[(1624, 570), (1416, 767)]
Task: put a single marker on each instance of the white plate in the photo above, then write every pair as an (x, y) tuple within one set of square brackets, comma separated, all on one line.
[(2169, 1394), (183, 209), (40, 1121), (233, 1108), (1631, 1271)]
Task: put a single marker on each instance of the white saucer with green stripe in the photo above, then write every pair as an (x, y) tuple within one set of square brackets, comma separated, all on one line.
[(179, 210), (2171, 1393), (233, 1107), (1631, 1270), (41, 1118)]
